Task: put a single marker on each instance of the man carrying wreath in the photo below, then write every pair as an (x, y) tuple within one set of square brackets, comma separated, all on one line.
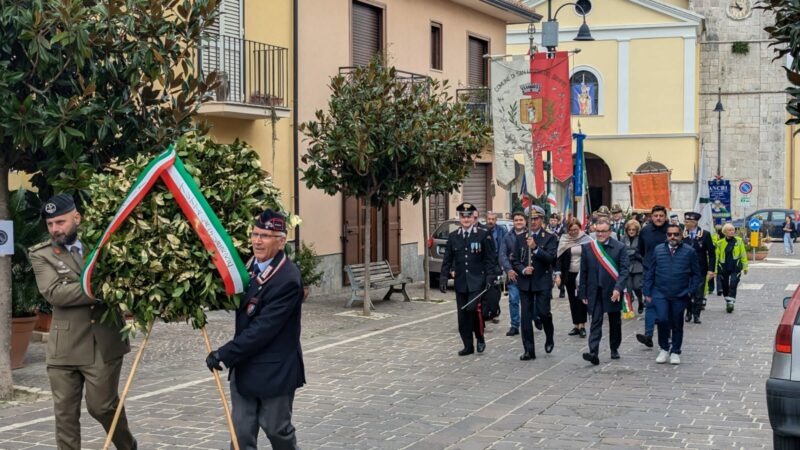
[(264, 357)]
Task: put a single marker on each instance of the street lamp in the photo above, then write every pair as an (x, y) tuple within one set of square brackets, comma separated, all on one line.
[(719, 109), (550, 41)]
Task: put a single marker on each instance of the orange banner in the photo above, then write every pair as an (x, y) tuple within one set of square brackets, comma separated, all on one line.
[(649, 189)]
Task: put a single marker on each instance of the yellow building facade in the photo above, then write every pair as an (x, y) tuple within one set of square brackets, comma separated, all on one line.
[(644, 66)]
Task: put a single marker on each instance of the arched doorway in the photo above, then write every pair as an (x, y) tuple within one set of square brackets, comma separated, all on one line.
[(599, 178)]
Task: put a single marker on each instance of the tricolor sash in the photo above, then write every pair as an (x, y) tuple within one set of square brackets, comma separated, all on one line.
[(611, 267), (170, 169)]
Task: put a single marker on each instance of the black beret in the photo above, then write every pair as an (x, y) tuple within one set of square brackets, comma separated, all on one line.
[(691, 215), (58, 205), (466, 209), (271, 220)]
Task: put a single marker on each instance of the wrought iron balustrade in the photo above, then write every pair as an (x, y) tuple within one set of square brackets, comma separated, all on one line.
[(250, 73), (477, 100)]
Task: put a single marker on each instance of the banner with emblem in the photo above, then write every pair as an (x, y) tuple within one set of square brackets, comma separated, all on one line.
[(169, 168), (511, 118), (552, 131)]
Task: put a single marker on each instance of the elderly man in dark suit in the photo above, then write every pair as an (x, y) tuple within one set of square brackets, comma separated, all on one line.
[(264, 357), (604, 272), (533, 261)]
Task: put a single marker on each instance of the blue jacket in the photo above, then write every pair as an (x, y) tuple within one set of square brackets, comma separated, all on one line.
[(506, 250), (265, 352), (672, 276)]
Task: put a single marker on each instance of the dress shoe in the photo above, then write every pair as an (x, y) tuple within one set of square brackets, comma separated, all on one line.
[(527, 356), (466, 351), (614, 354), (135, 445), (495, 320), (688, 316), (481, 346), (548, 345), (592, 358), (644, 339), (697, 319), (561, 295), (583, 332), (641, 308), (537, 323), (719, 293), (512, 331), (574, 332)]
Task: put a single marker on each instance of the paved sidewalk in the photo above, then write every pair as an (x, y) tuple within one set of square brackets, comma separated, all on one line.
[(398, 383)]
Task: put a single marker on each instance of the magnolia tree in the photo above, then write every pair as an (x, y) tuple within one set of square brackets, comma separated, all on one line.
[(83, 82), (785, 34), (385, 138), (155, 266)]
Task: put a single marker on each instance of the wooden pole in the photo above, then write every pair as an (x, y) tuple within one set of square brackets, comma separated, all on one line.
[(124, 394), (234, 441)]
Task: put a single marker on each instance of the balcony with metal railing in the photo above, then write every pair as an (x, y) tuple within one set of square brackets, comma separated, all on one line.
[(477, 100), (253, 78), (400, 75)]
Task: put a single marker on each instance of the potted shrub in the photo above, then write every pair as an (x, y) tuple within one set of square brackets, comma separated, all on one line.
[(308, 262), (761, 251), (29, 229)]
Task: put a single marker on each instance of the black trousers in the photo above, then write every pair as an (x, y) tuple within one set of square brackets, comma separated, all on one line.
[(470, 321), (534, 304), (697, 300), (729, 282), (596, 329), (576, 307)]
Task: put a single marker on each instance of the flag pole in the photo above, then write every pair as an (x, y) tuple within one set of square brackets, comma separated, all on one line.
[(127, 388), (234, 441)]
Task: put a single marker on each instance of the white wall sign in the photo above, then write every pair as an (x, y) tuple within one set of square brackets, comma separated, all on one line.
[(6, 237)]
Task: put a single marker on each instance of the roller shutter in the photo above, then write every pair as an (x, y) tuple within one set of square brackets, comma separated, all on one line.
[(367, 33)]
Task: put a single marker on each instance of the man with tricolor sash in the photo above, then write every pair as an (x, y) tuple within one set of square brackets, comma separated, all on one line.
[(82, 351), (603, 275)]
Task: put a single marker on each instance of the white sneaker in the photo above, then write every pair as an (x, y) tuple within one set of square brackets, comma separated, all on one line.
[(674, 358), (662, 357)]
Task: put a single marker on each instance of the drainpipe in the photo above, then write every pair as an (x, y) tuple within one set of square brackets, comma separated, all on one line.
[(296, 148)]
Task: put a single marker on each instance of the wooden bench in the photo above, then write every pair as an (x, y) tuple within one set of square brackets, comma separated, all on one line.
[(380, 276)]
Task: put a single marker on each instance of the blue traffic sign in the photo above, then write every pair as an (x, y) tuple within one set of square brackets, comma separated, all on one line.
[(754, 224), (745, 187)]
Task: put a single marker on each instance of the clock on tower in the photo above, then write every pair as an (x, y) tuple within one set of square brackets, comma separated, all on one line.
[(739, 9)]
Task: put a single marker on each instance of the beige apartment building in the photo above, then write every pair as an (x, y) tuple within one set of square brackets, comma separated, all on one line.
[(444, 39)]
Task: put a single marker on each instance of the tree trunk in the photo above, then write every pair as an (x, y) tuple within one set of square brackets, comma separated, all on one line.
[(367, 252), (425, 263), (6, 384)]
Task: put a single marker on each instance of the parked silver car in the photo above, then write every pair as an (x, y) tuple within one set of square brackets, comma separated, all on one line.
[(783, 385), (438, 240)]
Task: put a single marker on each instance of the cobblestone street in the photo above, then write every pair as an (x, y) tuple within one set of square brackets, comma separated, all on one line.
[(397, 383)]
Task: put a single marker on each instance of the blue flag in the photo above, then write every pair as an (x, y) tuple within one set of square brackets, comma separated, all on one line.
[(578, 174)]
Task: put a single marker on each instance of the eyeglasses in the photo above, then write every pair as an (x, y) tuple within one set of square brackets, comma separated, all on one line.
[(602, 231), (258, 236), (536, 218), (673, 234)]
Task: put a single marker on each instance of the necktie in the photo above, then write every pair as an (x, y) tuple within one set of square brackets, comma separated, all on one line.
[(672, 251), (76, 255), (256, 270)]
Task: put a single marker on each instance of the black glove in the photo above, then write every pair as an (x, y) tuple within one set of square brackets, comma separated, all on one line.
[(491, 280), (213, 361), (443, 284)]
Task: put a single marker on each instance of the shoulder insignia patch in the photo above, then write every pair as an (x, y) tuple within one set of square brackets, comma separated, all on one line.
[(40, 246)]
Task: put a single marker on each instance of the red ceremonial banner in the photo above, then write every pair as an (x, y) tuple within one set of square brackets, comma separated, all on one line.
[(550, 100), (649, 189)]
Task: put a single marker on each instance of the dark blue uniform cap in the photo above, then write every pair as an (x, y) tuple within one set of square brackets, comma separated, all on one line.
[(57, 205)]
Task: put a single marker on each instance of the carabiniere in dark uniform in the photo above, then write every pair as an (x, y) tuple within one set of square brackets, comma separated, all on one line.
[(700, 240), (471, 259), (535, 289)]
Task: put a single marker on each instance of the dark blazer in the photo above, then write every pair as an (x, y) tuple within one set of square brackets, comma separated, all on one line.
[(473, 258), (671, 276), (265, 352), (596, 284), (542, 261), (704, 247)]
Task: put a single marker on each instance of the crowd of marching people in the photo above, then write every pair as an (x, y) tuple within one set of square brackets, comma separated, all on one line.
[(612, 267)]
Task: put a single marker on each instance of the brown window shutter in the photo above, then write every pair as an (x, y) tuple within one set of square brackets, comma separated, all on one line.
[(436, 46), (478, 71), (367, 39)]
